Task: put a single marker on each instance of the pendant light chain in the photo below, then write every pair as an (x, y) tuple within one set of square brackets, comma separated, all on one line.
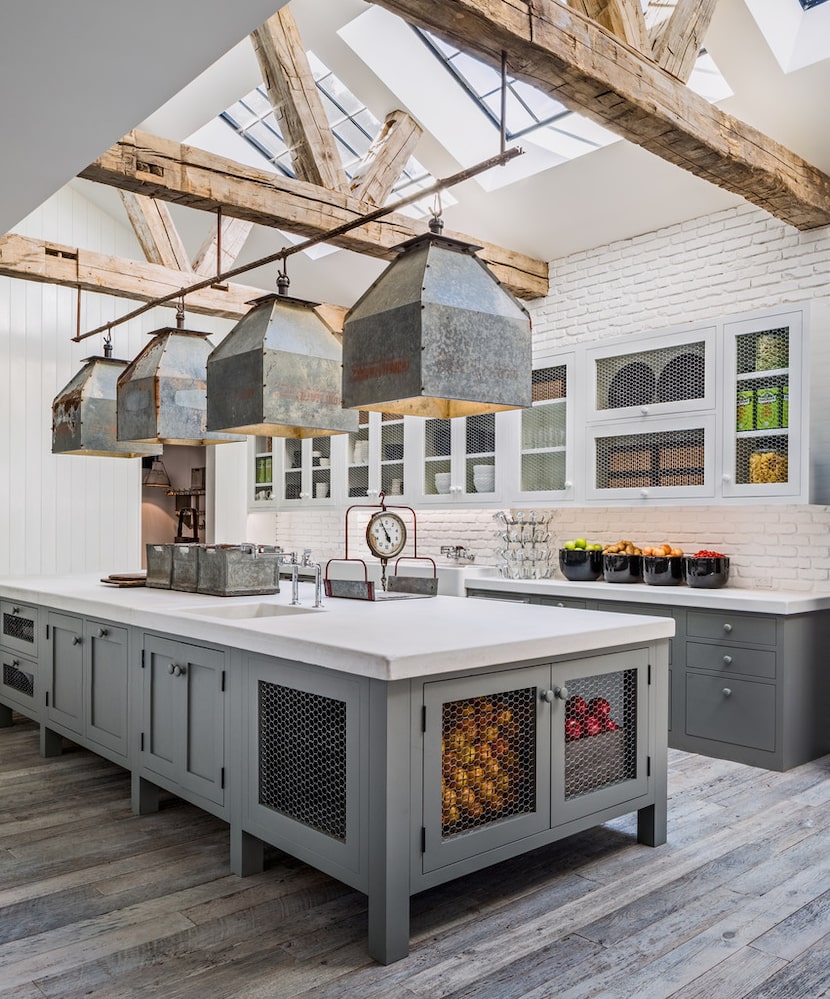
[(457, 178)]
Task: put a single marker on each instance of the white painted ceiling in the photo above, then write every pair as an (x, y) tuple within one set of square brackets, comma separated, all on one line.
[(85, 98)]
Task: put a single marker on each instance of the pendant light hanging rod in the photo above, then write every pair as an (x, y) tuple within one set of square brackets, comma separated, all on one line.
[(503, 120), (457, 178)]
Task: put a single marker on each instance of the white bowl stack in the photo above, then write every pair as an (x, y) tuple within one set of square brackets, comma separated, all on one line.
[(484, 478), (442, 482)]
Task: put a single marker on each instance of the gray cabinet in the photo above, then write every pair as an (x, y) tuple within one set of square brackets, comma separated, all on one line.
[(509, 755), (19, 673), (19, 628), (183, 719), (86, 697)]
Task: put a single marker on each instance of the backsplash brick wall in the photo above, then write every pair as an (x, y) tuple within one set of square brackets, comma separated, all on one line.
[(735, 261)]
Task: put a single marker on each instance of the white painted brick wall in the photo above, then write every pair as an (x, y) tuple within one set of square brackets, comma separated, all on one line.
[(731, 262)]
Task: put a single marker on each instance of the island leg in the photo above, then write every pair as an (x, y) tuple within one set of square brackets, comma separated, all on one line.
[(6, 720), (651, 820), (389, 820), (144, 795), (51, 744), (247, 852)]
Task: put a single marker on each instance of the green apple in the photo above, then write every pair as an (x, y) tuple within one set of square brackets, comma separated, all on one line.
[(580, 543), (594, 548), (569, 545)]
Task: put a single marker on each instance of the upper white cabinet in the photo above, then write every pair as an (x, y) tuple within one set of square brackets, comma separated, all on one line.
[(716, 412)]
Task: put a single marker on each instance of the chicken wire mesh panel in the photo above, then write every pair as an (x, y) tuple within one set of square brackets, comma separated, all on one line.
[(600, 729), (764, 350), (18, 679), (391, 456), (358, 457), (761, 460), (488, 759), (22, 629), (437, 447), (544, 432), (665, 374), (653, 459), (302, 757)]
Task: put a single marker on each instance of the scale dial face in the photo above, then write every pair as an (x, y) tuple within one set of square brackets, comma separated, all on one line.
[(386, 534)]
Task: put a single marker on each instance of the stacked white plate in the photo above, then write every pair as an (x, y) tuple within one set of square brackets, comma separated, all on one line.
[(442, 482), (484, 478)]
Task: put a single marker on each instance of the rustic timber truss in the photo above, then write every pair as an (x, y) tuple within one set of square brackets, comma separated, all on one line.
[(605, 59)]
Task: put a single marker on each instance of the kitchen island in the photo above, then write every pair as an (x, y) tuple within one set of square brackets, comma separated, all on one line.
[(395, 745)]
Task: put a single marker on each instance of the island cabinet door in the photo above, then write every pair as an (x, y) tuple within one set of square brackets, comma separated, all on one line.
[(65, 703), (600, 719), (183, 735), (105, 685), (307, 764), (486, 759)]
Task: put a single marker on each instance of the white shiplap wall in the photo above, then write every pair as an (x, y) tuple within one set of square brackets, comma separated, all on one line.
[(58, 513)]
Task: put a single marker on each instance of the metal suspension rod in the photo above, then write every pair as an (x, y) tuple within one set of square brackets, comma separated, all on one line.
[(456, 178)]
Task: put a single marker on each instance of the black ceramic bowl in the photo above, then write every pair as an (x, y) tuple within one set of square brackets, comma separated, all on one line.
[(622, 568), (579, 565), (662, 570), (707, 573)]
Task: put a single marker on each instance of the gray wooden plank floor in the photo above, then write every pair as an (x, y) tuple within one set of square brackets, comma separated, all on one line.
[(99, 903)]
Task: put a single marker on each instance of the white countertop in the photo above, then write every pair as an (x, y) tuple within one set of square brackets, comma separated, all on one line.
[(387, 640), (726, 598)]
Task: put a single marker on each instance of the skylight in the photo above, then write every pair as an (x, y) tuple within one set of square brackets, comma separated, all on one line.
[(808, 4), (352, 123)]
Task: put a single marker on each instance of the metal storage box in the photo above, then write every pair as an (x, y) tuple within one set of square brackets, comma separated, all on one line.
[(234, 572), (160, 566), (185, 568)]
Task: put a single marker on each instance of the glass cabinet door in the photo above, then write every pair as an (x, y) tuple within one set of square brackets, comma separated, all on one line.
[(306, 469), (763, 432), (392, 481), (544, 433), (263, 485), (357, 459), (460, 457)]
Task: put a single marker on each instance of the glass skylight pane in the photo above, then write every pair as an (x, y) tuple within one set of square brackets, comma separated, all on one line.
[(241, 114), (258, 102), (483, 79), (518, 118), (540, 104)]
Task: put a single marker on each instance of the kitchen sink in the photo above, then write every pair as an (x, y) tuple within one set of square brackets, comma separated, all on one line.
[(237, 612)]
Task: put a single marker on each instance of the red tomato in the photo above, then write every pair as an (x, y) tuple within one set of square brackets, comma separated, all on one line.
[(609, 725), (593, 725), (573, 729), (599, 706), (577, 706)]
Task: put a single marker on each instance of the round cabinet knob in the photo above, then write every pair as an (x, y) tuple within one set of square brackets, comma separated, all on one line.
[(726, 477), (76, 639), (171, 669), (15, 610), (548, 695), (559, 603), (179, 670), (644, 493), (727, 660), (15, 663), (727, 628), (727, 692), (561, 693), (644, 410), (103, 632), (568, 483)]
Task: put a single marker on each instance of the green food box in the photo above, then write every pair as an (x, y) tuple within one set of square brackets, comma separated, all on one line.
[(746, 409), (768, 409), (785, 406)]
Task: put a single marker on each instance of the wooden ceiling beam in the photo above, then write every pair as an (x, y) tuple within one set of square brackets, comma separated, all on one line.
[(234, 234), (155, 231), (71, 267), (623, 18), (386, 158), (679, 39), (171, 171), (568, 56), (296, 102)]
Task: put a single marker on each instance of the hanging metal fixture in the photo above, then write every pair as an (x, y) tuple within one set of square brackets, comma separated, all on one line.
[(437, 335), (156, 475), (278, 373), (84, 412), (162, 393)]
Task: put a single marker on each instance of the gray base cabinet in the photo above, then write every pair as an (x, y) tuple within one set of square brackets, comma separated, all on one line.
[(86, 685), (748, 687), (182, 738)]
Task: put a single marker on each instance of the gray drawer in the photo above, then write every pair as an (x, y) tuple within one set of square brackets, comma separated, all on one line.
[(574, 602), (516, 598), (730, 659), (745, 716), (19, 627), (752, 629)]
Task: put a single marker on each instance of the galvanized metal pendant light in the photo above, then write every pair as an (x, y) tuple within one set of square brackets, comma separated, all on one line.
[(437, 335), (278, 373), (84, 413), (162, 393)]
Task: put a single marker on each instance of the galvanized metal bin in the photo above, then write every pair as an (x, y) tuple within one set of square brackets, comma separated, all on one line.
[(236, 572), (160, 566), (185, 567)]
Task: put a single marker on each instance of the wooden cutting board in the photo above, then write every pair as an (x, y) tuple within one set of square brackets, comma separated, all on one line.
[(126, 579)]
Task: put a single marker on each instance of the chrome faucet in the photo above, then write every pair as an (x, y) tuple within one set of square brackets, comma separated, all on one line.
[(318, 576), (458, 552)]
